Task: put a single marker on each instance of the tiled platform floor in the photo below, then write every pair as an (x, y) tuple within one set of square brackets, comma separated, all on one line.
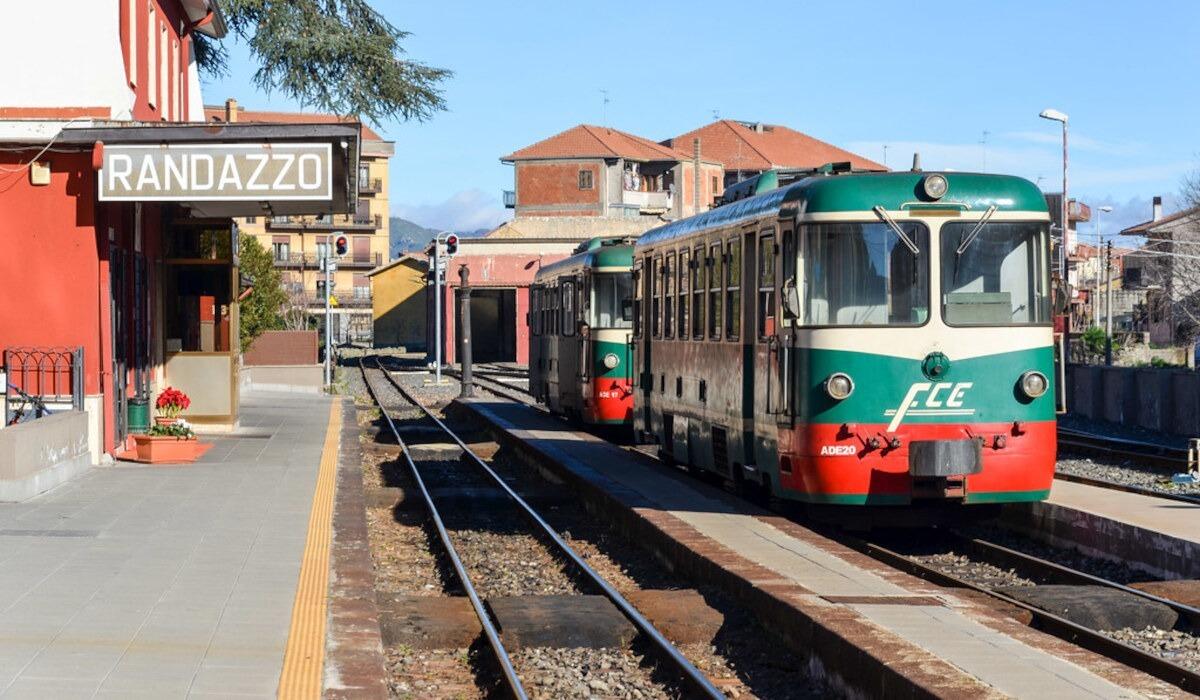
[(136, 581)]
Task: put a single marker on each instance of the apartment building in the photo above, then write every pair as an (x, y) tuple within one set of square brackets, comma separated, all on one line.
[(299, 243)]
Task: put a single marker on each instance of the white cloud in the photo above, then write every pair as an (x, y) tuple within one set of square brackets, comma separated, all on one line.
[(467, 210)]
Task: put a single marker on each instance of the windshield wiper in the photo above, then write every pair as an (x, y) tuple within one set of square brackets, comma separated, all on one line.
[(879, 211), (970, 237)]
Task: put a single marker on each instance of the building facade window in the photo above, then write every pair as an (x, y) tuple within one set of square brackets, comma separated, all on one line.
[(152, 55), (131, 45), (164, 75), (585, 180)]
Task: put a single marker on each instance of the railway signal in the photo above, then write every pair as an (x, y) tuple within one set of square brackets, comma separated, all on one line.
[(451, 245), (340, 246)]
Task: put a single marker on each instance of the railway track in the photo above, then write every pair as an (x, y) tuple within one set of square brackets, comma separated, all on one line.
[(376, 377), (1151, 465), (1037, 571)]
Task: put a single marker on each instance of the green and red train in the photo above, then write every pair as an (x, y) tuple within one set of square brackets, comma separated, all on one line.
[(841, 338), (580, 320)]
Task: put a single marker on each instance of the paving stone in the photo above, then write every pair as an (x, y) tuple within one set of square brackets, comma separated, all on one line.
[(682, 616), (1181, 591), (563, 621), (1095, 607), (428, 622)]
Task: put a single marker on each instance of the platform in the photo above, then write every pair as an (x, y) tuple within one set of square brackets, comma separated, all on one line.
[(1158, 535), (940, 642), (165, 581)]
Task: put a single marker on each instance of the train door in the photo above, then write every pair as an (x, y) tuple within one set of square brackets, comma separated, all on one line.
[(643, 381), (763, 288), (583, 306), (568, 357)]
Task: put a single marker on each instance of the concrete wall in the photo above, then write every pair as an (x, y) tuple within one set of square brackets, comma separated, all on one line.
[(301, 379), (1156, 399), (282, 348), (41, 454)]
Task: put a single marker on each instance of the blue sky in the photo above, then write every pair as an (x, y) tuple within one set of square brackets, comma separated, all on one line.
[(930, 76)]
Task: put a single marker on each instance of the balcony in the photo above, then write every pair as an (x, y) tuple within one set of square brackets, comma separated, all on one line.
[(313, 261), (370, 185), (345, 300), (510, 199), (326, 222), (647, 201)]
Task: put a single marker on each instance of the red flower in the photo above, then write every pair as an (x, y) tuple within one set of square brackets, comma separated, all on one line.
[(171, 402)]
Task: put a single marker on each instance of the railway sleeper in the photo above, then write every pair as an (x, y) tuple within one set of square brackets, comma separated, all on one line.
[(1095, 607)]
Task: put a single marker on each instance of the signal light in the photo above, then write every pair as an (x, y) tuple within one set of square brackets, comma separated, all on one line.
[(451, 245), (340, 244)]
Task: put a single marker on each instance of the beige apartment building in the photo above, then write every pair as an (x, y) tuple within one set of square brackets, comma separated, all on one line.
[(298, 243)]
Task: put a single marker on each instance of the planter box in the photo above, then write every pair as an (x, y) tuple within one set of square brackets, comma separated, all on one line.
[(167, 449)]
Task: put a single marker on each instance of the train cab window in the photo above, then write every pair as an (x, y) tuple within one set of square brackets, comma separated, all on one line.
[(698, 287), (733, 289), (766, 285), (684, 272), (638, 305), (714, 291), (996, 275), (612, 300), (656, 299), (568, 308), (669, 296), (863, 274)]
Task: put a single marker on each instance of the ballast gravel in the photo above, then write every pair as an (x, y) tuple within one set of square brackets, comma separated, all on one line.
[(1123, 472)]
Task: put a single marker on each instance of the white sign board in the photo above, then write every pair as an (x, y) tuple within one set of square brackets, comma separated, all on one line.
[(217, 172)]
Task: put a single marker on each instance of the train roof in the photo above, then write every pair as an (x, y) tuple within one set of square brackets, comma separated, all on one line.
[(598, 252), (862, 192)]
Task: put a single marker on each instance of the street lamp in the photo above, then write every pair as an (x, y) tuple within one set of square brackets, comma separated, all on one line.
[(1057, 116), (1099, 242)]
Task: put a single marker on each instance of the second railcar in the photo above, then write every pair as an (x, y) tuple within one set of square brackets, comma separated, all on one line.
[(580, 320)]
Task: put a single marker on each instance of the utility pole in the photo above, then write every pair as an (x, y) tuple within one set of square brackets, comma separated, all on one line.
[(1108, 303), (437, 308), (466, 390)]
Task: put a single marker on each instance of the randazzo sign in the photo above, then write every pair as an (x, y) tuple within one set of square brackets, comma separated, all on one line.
[(224, 172)]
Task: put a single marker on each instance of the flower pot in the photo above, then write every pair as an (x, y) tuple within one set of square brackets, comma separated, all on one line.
[(164, 420), (166, 449)]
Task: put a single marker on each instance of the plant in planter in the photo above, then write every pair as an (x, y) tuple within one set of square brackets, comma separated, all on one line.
[(169, 442), (170, 403)]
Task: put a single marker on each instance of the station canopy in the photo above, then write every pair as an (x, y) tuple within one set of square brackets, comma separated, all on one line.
[(227, 170)]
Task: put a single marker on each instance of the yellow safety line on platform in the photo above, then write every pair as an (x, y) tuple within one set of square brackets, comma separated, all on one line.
[(304, 657)]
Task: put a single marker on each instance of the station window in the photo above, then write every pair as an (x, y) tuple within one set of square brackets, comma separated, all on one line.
[(585, 180), (656, 299), (714, 291), (733, 289), (766, 284), (568, 308), (697, 271), (669, 296), (684, 273)]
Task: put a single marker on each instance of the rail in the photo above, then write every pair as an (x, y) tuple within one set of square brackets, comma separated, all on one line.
[(699, 684), (51, 374), (1168, 459)]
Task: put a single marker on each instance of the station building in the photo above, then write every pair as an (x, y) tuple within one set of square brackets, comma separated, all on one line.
[(118, 207)]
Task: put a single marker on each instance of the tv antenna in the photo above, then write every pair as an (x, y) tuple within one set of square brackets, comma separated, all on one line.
[(983, 142), (604, 107)]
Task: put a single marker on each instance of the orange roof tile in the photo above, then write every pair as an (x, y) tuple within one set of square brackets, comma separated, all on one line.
[(217, 114), (587, 141), (740, 147)]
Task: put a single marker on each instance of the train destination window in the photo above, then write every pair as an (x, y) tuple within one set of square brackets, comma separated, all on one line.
[(862, 274), (733, 295), (996, 275), (684, 272), (714, 291), (698, 293), (656, 299), (766, 285), (612, 305), (669, 296)]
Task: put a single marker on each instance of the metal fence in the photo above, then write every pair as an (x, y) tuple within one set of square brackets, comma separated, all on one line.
[(50, 375)]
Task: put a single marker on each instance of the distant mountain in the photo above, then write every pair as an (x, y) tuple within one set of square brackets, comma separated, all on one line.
[(408, 237)]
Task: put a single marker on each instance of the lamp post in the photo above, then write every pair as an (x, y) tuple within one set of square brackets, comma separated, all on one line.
[(1057, 116), (1099, 242)]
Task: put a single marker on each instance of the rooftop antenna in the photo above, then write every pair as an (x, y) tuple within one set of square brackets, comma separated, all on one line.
[(716, 115), (983, 142), (885, 146), (604, 108), (916, 163), (1039, 181)]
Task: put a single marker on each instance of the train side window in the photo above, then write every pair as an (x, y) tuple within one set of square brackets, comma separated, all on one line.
[(766, 284), (656, 299), (684, 272), (733, 291), (637, 299), (568, 308), (698, 293), (714, 291), (553, 311), (669, 296)]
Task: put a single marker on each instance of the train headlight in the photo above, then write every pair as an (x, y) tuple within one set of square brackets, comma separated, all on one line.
[(1034, 384), (611, 360), (839, 386), (935, 186)]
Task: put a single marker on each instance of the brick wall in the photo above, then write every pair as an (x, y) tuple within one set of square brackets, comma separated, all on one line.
[(282, 348), (556, 184)]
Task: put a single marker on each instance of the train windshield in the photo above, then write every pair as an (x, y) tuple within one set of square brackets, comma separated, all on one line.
[(997, 277), (862, 274), (613, 303)]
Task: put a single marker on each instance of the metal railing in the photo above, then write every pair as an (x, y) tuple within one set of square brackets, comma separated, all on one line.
[(50, 374), (326, 222), (370, 184), (314, 260)]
